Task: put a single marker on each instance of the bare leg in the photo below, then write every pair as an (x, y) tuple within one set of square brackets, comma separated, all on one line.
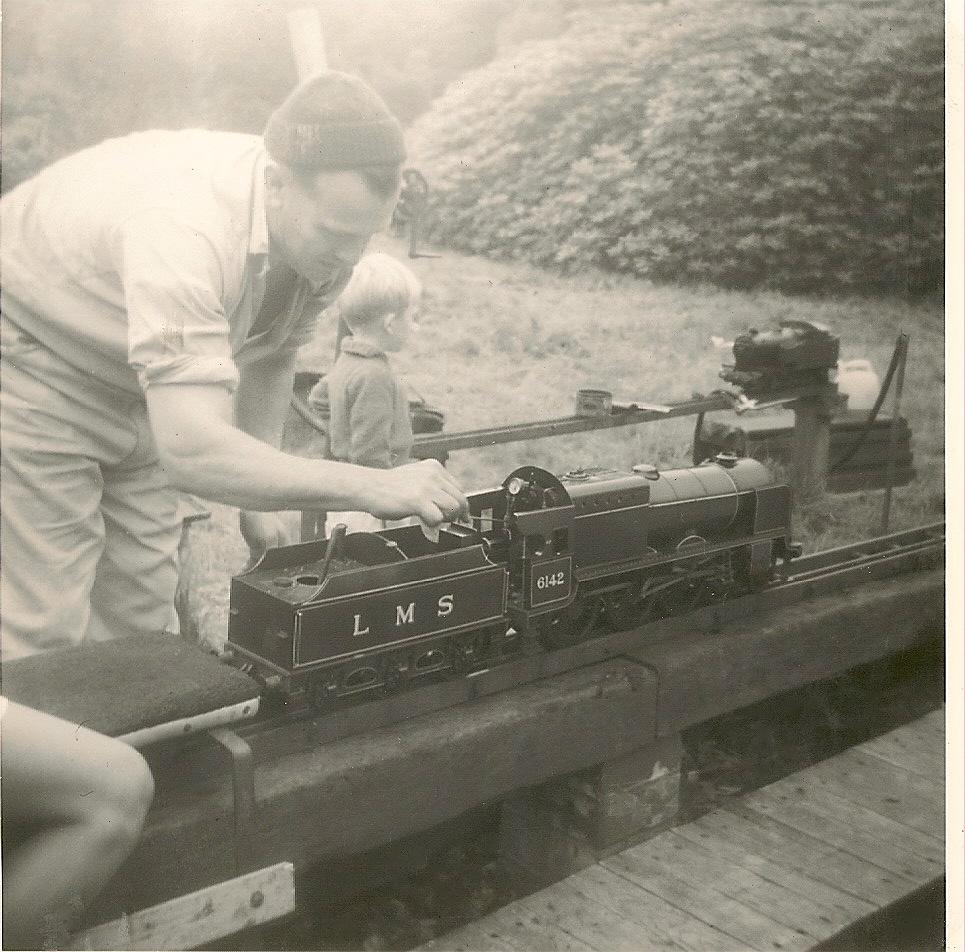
[(82, 799)]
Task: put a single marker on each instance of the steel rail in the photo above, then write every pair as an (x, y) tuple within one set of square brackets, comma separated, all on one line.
[(428, 445), (618, 416), (868, 548)]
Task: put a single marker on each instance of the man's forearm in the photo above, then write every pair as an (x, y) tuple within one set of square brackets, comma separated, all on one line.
[(240, 470), (203, 453)]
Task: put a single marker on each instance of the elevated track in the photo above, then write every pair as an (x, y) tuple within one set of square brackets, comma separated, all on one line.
[(333, 791), (806, 578)]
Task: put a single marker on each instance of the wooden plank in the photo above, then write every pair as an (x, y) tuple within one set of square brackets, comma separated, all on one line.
[(918, 747), (797, 910), (909, 798), (850, 813), (200, 917), (599, 899), (482, 934), (831, 827), (806, 806), (806, 855), (556, 923), (232, 714), (788, 866), (595, 909), (666, 873), (524, 927), (839, 908), (472, 939)]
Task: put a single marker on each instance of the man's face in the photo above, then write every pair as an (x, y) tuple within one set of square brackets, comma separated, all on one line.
[(323, 224)]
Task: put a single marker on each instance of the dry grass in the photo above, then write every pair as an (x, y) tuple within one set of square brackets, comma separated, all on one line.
[(504, 343)]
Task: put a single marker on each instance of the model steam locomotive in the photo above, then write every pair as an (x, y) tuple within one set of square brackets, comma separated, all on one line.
[(546, 563)]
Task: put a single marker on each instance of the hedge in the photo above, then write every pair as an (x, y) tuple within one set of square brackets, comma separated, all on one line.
[(745, 143)]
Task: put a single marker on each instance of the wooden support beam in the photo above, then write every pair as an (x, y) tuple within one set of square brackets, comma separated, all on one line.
[(200, 917), (811, 446), (317, 801), (746, 660)]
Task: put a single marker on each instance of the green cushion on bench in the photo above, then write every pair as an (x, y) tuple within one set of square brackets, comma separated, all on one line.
[(118, 687)]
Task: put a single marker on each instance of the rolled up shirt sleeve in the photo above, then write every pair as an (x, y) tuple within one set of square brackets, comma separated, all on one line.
[(172, 278)]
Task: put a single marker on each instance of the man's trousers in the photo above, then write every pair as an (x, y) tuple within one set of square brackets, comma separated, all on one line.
[(89, 524)]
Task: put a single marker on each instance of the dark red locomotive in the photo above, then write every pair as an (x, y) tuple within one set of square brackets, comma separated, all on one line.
[(547, 562)]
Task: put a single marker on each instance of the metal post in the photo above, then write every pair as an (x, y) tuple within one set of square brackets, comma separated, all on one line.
[(243, 787), (308, 44), (893, 432)]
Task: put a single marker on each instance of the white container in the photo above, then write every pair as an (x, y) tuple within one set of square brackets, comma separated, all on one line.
[(859, 383)]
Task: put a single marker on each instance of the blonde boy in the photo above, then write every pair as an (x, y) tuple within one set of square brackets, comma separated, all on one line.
[(369, 421)]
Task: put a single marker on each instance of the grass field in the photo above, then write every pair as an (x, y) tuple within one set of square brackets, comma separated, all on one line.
[(503, 343)]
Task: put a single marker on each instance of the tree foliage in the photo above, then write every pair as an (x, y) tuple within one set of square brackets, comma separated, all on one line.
[(78, 71), (793, 145)]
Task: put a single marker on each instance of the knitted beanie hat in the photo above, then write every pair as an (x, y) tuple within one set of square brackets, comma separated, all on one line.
[(334, 121)]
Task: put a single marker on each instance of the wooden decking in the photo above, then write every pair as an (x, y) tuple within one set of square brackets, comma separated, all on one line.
[(785, 867)]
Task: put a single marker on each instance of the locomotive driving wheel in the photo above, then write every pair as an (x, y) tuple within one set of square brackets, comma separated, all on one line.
[(659, 596), (692, 580), (571, 626), (676, 595)]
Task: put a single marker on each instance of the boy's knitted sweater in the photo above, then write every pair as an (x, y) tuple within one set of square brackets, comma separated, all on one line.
[(369, 423)]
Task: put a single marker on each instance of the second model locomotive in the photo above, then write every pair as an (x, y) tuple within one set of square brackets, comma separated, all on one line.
[(547, 562)]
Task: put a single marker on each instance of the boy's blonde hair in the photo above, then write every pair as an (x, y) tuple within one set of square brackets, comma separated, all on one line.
[(380, 285)]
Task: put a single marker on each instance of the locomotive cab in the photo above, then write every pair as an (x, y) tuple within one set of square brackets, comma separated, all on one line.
[(527, 523), (539, 520)]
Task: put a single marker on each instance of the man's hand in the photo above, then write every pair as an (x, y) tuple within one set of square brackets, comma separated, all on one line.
[(264, 530), (422, 489)]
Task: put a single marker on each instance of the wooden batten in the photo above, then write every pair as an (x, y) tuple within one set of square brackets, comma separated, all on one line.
[(200, 917)]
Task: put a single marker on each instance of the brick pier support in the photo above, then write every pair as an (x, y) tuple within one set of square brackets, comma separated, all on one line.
[(557, 828)]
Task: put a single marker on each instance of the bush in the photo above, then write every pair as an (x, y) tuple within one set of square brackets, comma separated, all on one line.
[(747, 143), (78, 71)]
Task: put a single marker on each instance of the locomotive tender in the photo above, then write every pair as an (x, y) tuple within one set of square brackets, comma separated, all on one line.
[(547, 562)]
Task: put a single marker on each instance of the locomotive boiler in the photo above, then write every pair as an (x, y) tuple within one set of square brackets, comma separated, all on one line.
[(546, 562)]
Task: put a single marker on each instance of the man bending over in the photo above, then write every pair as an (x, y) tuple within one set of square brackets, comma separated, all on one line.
[(155, 290)]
